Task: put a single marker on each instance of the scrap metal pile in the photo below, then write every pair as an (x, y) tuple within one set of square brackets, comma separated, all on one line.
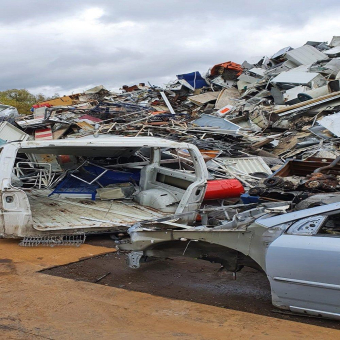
[(279, 114), (267, 149)]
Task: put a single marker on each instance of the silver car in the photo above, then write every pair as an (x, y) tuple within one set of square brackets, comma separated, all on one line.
[(299, 251)]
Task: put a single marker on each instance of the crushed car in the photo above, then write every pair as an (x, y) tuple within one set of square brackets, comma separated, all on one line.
[(298, 249)]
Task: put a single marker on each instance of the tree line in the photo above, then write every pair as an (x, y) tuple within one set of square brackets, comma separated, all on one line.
[(22, 99)]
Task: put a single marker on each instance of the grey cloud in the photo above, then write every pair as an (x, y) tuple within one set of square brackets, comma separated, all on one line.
[(169, 38), (85, 56), (274, 11)]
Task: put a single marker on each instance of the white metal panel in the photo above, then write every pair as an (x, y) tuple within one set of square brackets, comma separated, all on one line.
[(293, 93), (295, 77), (109, 142), (333, 51), (333, 65), (332, 123), (10, 133), (258, 71), (305, 55), (335, 41), (204, 98), (166, 100), (248, 79)]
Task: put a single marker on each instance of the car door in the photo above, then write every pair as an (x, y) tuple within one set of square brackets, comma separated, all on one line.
[(303, 267)]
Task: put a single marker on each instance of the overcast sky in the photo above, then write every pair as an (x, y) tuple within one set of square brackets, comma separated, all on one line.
[(68, 46)]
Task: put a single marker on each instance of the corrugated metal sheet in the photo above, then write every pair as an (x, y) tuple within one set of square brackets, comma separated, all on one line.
[(308, 104), (247, 165), (305, 55), (56, 213)]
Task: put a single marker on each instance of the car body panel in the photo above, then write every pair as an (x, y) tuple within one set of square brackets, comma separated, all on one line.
[(304, 273)]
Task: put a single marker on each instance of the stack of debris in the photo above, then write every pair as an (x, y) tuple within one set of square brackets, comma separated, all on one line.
[(247, 120)]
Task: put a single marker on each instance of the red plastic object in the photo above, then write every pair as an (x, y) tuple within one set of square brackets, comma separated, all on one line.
[(41, 105), (64, 159), (223, 188), (229, 65)]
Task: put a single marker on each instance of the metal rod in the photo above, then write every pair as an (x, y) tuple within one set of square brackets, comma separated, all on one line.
[(167, 103)]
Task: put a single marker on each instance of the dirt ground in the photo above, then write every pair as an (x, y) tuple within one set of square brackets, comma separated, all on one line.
[(39, 306), (185, 279)]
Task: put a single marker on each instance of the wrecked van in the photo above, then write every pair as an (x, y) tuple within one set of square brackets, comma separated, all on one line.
[(52, 189)]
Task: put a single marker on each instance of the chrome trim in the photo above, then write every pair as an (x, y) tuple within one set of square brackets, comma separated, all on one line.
[(308, 283)]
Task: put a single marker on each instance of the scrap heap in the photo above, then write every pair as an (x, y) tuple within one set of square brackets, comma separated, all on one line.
[(272, 124)]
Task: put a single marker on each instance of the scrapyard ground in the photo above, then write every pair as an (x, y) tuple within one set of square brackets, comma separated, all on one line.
[(39, 306), (183, 279)]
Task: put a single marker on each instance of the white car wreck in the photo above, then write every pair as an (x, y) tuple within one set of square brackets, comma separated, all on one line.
[(299, 251), (56, 188)]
